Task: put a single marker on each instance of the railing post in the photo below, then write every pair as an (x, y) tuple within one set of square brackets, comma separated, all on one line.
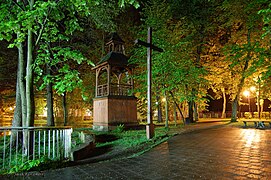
[(57, 143), (39, 144), (53, 143), (49, 142), (4, 153), (17, 144), (67, 146), (44, 144), (10, 150), (70, 143), (34, 140), (59, 139), (28, 144)]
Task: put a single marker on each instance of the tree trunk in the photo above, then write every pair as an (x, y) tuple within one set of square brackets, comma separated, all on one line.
[(258, 107), (234, 109), (159, 112), (191, 106), (29, 75), (21, 83), (191, 111), (27, 91), (171, 93), (50, 101), (261, 109), (242, 81), (29, 83), (21, 104), (166, 110), (20, 113), (17, 117), (223, 115), (65, 109), (196, 111), (175, 114), (159, 109)]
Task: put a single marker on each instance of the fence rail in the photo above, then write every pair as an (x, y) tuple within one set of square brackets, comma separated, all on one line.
[(20, 144)]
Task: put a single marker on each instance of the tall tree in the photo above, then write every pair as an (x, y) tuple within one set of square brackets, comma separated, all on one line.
[(165, 70), (243, 48), (197, 19)]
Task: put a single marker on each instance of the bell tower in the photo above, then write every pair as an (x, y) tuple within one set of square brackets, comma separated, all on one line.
[(114, 102)]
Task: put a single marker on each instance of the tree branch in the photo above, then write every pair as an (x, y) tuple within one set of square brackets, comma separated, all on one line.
[(172, 95), (42, 26), (41, 31), (17, 4)]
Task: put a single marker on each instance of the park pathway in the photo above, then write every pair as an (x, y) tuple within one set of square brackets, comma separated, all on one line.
[(220, 152)]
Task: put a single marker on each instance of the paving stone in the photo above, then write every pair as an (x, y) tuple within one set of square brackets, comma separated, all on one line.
[(254, 176), (215, 153)]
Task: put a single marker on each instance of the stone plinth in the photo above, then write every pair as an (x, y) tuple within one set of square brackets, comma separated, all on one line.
[(111, 111)]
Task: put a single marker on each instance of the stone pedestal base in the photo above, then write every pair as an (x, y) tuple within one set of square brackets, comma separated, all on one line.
[(111, 111)]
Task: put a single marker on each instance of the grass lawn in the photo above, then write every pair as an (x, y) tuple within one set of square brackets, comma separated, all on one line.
[(128, 143)]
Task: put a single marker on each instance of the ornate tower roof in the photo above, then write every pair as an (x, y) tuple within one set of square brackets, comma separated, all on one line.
[(116, 55)]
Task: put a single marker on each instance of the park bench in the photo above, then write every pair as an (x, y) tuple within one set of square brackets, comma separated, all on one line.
[(257, 123)]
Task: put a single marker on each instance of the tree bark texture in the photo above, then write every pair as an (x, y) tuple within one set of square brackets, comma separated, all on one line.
[(17, 117), (166, 109), (159, 109), (29, 83), (191, 111), (50, 101), (234, 109), (65, 108), (20, 113), (175, 114), (191, 106), (21, 82), (223, 115), (196, 117), (29, 75), (176, 104)]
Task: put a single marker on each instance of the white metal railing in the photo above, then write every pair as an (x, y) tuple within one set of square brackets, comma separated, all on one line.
[(20, 144)]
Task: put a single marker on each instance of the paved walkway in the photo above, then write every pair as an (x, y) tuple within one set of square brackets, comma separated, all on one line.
[(222, 152)]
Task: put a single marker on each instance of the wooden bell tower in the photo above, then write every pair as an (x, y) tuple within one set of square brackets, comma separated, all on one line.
[(114, 102)]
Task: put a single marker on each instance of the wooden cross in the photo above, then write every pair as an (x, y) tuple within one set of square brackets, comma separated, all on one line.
[(150, 47)]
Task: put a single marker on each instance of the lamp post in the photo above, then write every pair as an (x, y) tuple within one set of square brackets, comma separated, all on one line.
[(166, 109), (253, 90), (247, 93), (259, 103)]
